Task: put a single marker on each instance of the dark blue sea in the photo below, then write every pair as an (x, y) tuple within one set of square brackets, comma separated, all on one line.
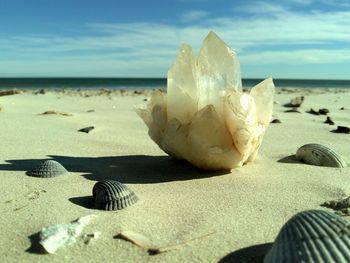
[(147, 83)]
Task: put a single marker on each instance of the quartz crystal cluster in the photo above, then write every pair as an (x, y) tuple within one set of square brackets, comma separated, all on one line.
[(205, 117)]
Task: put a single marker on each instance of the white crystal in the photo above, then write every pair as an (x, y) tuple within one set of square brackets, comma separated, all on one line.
[(205, 117)]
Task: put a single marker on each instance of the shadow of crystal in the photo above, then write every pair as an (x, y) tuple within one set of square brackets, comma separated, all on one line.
[(132, 169)]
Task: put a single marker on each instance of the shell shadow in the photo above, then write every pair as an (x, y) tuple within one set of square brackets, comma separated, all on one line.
[(288, 159), (252, 254), (35, 247), (84, 201), (132, 169)]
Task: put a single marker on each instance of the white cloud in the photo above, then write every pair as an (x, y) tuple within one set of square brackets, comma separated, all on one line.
[(279, 36), (295, 57), (260, 7), (193, 15)]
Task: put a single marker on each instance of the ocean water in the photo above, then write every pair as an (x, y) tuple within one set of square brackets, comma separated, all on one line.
[(146, 83)]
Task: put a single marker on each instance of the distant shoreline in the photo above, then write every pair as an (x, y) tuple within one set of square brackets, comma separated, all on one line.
[(147, 83)]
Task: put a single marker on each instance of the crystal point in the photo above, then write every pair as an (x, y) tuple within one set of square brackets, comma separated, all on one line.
[(205, 117)]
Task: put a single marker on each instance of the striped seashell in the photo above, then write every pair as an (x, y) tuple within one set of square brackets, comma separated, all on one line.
[(312, 236), (47, 169), (112, 195), (317, 154)]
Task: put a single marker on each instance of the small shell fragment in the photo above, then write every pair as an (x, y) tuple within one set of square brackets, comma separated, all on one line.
[(87, 129), (47, 169), (54, 237), (296, 102), (312, 236), (317, 154), (112, 195)]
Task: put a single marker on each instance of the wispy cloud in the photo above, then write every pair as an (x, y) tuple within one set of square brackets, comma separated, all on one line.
[(261, 33), (193, 15)]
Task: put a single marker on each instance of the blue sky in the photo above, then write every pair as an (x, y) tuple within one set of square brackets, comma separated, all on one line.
[(111, 38)]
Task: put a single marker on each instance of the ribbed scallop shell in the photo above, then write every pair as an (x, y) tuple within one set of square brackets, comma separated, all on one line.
[(47, 169), (312, 236), (112, 195), (317, 154)]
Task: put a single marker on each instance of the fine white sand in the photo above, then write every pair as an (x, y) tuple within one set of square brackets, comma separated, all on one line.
[(243, 210)]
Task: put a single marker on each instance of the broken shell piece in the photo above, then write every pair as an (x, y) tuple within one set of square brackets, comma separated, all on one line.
[(47, 169), (317, 154), (86, 129), (112, 195), (329, 121), (205, 117), (296, 102), (54, 237), (312, 236)]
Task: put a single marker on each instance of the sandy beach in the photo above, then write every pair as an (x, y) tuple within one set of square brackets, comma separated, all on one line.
[(215, 216)]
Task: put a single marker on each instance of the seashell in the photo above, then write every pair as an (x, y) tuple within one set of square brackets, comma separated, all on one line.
[(86, 129), (206, 117), (317, 154), (312, 236), (47, 169), (342, 129), (329, 121), (112, 195), (276, 121), (323, 111)]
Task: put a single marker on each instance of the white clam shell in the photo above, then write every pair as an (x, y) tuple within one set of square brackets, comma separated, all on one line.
[(312, 236), (317, 154)]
